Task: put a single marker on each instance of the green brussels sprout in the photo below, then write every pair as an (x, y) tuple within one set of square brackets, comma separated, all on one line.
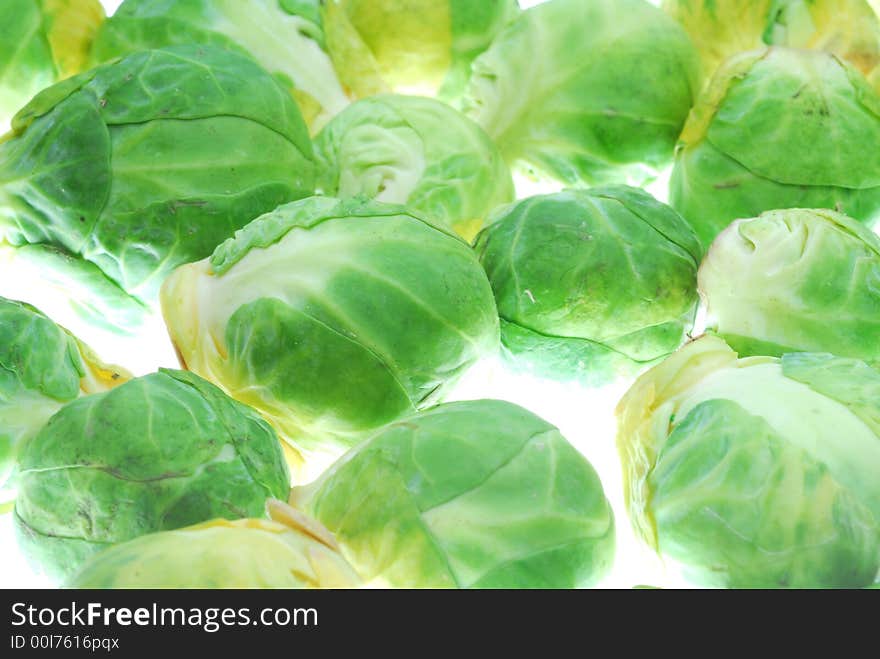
[(477, 494), (758, 472), (42, 367), (159, 452), (815, 124), (414, 151), (42, 42), (114, 177), (411, 46), (724, 28), (288, 551), (795, 281), (586, 92), (286, 37), (333, 318), (591, 284)]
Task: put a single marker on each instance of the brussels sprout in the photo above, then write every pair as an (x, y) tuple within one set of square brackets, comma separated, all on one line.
[(795, 280), (756, 472), (724, 28), (289, 551), (42, 42), (285, 36), (42, 367), (779, 128), (333, 318), (414, 151), (115, 176), (479, 494), (591, 284), (157, 453), (586, 92), (411, 46)]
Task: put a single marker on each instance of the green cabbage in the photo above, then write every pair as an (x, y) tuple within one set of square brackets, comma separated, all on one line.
[(586, 92), (478, 494), (591, 284), (758, 472), (418, 152), (333, 318), (779, 128), (114, 177), (795, 280), (159, 452)]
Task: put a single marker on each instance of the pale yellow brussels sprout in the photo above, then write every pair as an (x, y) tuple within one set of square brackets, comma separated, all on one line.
[(424, 47), (289, 550), (723, 28)]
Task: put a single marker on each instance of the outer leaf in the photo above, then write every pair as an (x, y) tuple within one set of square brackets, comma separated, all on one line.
[(246, 553), (848, 381), (42, 42), (285, 38)]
